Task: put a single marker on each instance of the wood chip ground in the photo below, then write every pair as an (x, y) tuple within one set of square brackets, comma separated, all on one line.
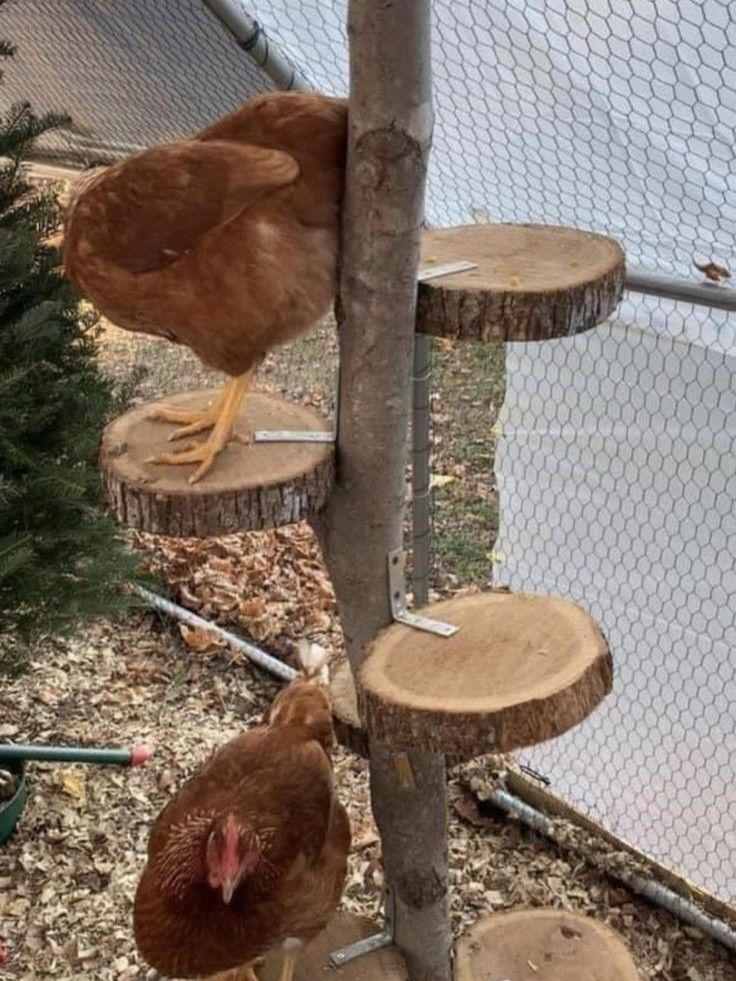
[(67, 878)]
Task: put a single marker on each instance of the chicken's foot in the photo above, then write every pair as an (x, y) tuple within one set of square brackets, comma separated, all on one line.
[(206, 453), (190, 421)]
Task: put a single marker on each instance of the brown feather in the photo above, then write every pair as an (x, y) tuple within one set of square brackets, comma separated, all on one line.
[(276, 780), (227, 242)]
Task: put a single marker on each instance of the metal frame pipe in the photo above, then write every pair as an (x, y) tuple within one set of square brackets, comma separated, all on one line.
[(655, 892), (251, 37), (648, 283), (253, 653)]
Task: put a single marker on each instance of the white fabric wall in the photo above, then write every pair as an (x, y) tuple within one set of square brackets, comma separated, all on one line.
[(617, 480)]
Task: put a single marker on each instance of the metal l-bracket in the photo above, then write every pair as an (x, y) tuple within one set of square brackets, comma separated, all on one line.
[(446, 269), (293, 436), (399, 609), (343, 955)]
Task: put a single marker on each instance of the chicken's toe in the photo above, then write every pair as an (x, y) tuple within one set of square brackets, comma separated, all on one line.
[(204, 454), (160, 413), (197, 425)]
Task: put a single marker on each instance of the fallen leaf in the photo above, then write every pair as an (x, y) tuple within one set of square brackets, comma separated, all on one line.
[(365, 833), (198, 639), (73, 785), (441, 479), (468, 811)]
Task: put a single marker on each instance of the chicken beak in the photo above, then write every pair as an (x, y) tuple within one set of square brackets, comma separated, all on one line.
[(228, 888)]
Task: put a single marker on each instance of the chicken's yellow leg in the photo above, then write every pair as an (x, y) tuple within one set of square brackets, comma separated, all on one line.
[(288, 966), (244, 973), (205, 453)]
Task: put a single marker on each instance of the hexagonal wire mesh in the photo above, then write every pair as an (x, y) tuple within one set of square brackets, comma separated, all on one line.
[(615, 465)]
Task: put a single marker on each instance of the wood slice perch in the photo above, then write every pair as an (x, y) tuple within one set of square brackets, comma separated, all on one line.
[(252, 485), (545, 943), (532, 282), (346, 718), (522, 669), (386, 964)]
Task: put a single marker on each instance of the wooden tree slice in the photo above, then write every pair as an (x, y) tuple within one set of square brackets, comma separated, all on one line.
[(532, 282), (543, 943), (348, 730), (521, 669), (386, 964), (251, 486)]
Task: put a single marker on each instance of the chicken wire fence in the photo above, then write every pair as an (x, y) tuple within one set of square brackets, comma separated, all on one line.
[(614, 451)]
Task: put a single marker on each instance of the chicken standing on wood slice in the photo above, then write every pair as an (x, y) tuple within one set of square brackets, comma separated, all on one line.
[(226, 243), (252, 851)]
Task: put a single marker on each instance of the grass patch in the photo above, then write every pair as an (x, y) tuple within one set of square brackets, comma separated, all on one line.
[(469, 387)]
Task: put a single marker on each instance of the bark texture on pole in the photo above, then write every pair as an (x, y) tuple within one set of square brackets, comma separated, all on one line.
[(389, 136)]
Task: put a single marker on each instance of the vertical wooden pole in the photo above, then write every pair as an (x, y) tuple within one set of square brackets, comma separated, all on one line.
[(388, 144)]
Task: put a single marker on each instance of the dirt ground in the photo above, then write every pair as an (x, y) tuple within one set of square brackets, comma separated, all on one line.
[(68, 877)]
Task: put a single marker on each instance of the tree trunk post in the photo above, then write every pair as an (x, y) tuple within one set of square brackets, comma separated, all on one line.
[(389, 136)]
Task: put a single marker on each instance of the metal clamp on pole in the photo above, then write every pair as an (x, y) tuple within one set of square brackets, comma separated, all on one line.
[(293, 436), (305, 435), (399, 609), (343, 955), (446, 269)]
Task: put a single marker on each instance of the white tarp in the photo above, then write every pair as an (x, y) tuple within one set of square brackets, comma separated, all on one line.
[(617, 481)]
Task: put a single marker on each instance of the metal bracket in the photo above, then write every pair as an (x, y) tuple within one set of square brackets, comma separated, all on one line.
[(293, 436), (399, 610), (343, 955), (447, 269)]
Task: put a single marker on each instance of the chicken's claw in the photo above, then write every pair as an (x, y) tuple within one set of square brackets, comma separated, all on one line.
[(191, 422), (204, 454), (220, 416)]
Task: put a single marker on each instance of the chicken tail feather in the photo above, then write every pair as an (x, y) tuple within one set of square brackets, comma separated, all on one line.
[(312, 661)]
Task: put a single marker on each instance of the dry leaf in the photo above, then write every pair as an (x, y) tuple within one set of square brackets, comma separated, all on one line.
[(198, 639), (441, 479), (364, 833), (467, 809), (73, 784)]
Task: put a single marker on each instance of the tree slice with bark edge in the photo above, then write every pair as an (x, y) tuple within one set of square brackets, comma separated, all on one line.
[(532, 282), (531, 944), (345, 716), (251, 486), (522, 668), (385, 964)]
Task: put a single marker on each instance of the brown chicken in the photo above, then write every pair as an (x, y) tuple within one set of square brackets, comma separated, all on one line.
[(226, 242), (252, 851)]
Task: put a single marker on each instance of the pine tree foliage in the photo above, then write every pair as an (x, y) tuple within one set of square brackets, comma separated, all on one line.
[(61, 560)]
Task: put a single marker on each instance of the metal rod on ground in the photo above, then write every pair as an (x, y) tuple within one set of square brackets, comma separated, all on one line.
[(655, 892), (251, 37), (420, 474), (253, 653), (16, 752)]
